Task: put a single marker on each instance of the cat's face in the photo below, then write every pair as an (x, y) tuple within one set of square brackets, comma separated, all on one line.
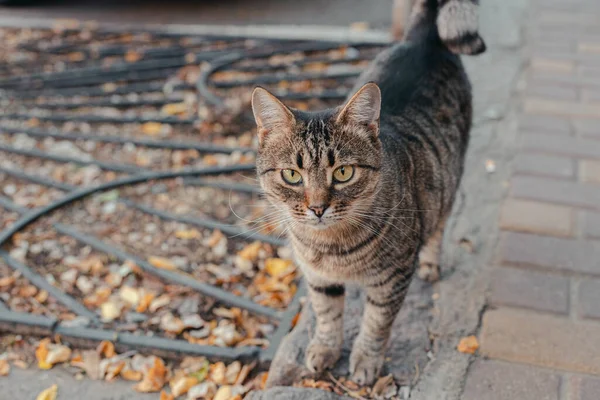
[(320, 170)]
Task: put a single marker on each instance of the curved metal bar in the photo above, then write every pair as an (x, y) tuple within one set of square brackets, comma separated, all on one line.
[(128, 169), (78, 194), (55, 292), (171, 276), (99, 119), (157, 144)]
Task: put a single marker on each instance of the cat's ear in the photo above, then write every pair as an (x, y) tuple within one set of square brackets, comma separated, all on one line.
[(271, 115), (363, 108)]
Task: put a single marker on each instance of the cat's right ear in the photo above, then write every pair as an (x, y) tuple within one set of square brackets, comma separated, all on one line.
[(271, 115)]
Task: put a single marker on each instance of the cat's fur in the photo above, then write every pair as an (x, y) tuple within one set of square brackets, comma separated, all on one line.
[(407, 143)]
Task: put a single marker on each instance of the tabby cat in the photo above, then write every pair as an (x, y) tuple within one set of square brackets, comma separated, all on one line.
[(366, 188)]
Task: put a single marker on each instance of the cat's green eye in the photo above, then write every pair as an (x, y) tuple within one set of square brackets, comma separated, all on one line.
[(343, 174), (290, 176)]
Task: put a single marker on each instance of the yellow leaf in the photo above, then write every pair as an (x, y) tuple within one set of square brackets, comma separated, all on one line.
[(41, 353), (162, 263), (224, 393), (130, 295), (277, 267), (190, 234), (468, 345), (152, 128), (110, 311), (250, 252), (48, 394), (174, 108), (4, 367)]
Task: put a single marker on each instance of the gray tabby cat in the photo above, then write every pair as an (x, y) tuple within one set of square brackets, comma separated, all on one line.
[(365, 189)]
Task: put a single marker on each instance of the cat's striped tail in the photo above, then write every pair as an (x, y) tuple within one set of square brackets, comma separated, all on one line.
[(456, 21)]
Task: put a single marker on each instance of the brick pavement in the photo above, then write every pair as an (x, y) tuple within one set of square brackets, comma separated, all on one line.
[(540, 335)]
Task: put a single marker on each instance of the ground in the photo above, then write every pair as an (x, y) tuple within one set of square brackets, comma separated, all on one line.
[(521, 267)]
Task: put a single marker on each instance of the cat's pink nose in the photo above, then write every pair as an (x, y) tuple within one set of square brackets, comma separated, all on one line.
[(318, 210)]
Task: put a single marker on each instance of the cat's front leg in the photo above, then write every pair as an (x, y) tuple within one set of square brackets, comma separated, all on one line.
[(325, 347), (383, 301)]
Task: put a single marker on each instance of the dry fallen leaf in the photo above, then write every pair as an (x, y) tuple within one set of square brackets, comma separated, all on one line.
[(7, 281), (110, 311), (174, 108), (145, 302), (166, 396), (48, 394), (468, 345), (224, 393), (4, 368), (171, 324), (188, 234), (250, 252), (130, 295), (154, 378), (131, 375), (42, 296), (217, 373), (132, 56), (106, 349), (205, 390), (181, 385), (55, 354), (381, 385), (90, 362), (277, 267), (162, 263), (159, 302), (41, 353), (233, 370), (152, 128)]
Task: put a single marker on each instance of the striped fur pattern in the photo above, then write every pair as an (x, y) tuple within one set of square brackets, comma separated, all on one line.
[(403, 135)]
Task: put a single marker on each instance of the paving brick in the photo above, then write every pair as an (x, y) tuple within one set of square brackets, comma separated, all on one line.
[(536, 217), (541, 339), (567, 255), (553, 65), (589, 299), (589, 128), (556, 191), (544, 124), (497, 380), (591, 224), (529, 289), (562, 108), (574, 80), (586, 96), (584, 388), (589, 171), (544, 165), (552, 91), (586, 47), (561, 145)]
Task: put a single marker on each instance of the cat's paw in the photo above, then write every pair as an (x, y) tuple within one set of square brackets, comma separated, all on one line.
[(365, 368), (320, 357), (429, 272)]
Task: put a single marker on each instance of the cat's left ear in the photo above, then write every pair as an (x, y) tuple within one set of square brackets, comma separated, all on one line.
[(363, 108)]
